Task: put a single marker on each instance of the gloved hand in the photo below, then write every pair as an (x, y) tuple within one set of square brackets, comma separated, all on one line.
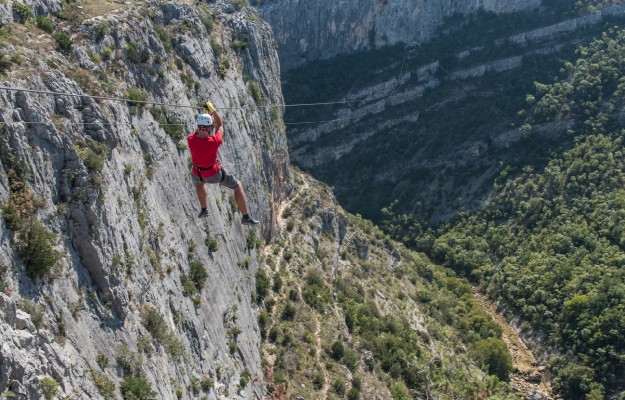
[(207, 105), (210, 107)]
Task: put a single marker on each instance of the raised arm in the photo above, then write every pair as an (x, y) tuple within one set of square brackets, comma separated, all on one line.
[(219, 126)]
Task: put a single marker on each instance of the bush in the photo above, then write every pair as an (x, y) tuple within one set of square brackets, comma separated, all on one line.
[(22, 11), (493, 353), (93, 155), (351, 359), (101, 30), (165, 38), (353, 394), (245, 378), (5, 31), (239, 4), (49, 387), (207, 384), (198, 274), (212, 244), (337, 350), (318, 381), (45, 24), (250, 240), (339, 386), (102, 360), (11, 216), (137, 54), (257, 93), (174, 347), (262, 284), (277, 283), (188, 286), (137, 388), (263, 320), (288, 314), (5, 60), (63, 42), (136, 96), (105, 386), (172, 126), (217, 48), (92, 160), (400, 392), (3, 285), (154, 323), (208, 23), (130, 361), (35, 247)]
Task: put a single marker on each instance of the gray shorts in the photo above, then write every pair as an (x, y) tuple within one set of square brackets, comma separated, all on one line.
[(222, 177)]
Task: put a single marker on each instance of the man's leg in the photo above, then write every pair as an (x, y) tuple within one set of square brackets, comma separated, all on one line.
[(239, 198), (202, 194), (230, 181)]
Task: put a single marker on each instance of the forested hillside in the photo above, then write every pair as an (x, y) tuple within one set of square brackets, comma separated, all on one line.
[(549, 244), (349, 313)]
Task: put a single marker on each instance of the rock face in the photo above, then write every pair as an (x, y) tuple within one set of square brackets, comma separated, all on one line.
[(110, 181), (307, 31)]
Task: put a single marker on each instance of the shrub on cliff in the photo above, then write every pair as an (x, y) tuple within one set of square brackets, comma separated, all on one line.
[(137, 388), (22, 12), (35, 247), (63, 42)]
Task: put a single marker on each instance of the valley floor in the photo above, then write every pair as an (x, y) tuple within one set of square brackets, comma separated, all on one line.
[(529, 376)]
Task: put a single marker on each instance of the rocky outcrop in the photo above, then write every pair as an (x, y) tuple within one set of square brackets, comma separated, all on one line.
[(308, 31), (110, 180)]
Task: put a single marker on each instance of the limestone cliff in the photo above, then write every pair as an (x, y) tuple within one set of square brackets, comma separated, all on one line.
[(142, 293), (308, 31)]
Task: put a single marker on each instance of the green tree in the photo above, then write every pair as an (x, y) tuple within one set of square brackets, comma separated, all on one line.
[(493, 353)]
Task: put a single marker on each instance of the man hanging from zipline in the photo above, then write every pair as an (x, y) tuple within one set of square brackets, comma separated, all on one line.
[(204, 147)]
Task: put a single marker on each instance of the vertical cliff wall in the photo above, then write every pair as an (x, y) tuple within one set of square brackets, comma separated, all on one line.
[(110, 282), (308, 31)]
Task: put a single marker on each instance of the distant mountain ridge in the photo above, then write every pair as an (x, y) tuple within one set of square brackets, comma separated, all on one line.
[(311, 31)]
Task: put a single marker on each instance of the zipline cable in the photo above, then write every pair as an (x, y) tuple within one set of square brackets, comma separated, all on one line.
[(147, 102), (281, 105)]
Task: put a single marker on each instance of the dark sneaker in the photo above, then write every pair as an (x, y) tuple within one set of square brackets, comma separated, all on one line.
[(247, 220), (203, 214)]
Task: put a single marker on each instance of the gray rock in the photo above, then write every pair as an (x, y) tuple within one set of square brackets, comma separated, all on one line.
[(6, 362), (8, 310), (23, 321)]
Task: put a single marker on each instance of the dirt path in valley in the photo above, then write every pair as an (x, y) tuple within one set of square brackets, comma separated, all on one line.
[(528, 375)]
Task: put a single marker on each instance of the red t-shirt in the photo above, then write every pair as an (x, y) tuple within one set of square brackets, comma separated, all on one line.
[(204, 153)]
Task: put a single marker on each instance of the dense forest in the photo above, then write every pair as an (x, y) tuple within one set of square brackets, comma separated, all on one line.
[(549, 243)]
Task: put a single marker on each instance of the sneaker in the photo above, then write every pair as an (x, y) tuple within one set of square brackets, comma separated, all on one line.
[(247, 220), (203, 214)]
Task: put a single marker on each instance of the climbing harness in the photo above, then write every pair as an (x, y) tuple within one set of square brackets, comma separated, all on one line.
[(200, 169)]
